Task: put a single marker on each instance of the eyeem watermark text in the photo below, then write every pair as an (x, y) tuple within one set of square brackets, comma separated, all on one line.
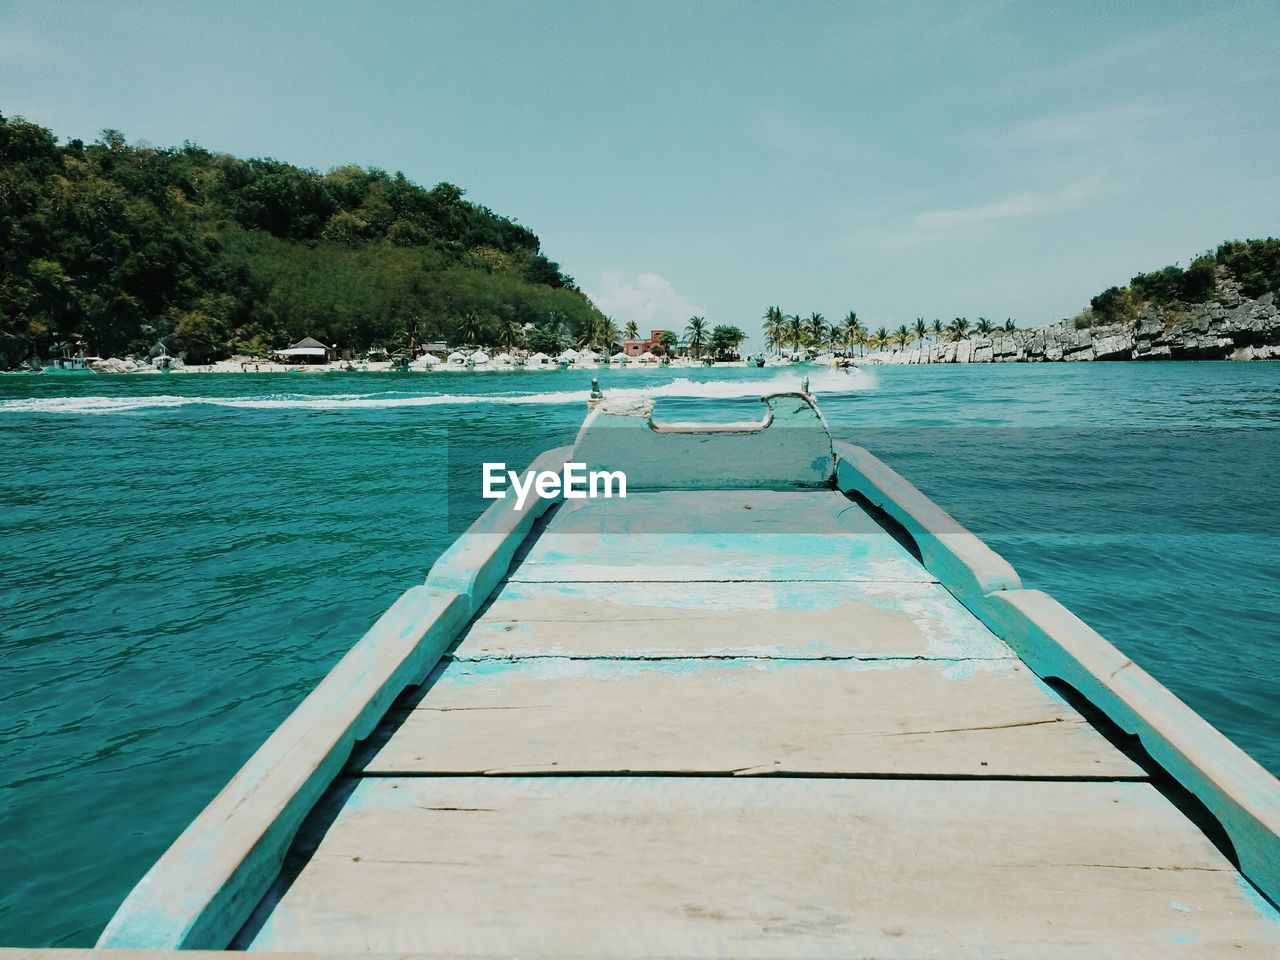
[(574, 482)]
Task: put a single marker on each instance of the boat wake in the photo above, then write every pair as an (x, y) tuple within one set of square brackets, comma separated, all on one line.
[(821, 382)]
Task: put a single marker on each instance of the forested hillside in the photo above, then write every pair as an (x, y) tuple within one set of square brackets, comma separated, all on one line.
[(119, 246)]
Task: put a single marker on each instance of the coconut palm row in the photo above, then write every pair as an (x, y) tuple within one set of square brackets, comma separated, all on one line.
[(783, 330)]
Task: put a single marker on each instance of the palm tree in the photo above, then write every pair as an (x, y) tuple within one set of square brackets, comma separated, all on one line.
[(774, 327), (902, 336), (921, 329), (815, 329), (470, 328), (880, 339), (696, 334), (985, 327), (511, 334), (1010, 326), (958, 329), (936, 329), (794, 331), (631, 331), (609, 334), (850, 330)]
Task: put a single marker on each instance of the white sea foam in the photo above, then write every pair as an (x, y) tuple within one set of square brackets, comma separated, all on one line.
[(821, 382)]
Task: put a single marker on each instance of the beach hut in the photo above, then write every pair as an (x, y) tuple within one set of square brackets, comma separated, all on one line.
[(306, 350), (457, 359), (619, 357), (425, 362), (479, 358), (538, 360), (569, 356), (646, 357)]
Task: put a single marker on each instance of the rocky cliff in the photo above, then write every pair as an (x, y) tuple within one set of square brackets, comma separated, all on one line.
[(1230, 327)]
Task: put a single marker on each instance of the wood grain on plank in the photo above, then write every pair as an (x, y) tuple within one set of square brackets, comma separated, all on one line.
[(913, 717), (800, 620), (622, 867), (716, 535)]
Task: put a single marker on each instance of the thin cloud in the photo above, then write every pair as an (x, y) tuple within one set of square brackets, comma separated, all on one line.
[(1010, 206), (977, 220)]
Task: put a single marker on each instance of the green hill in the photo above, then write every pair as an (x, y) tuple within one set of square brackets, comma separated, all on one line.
[(119, 246), (1254, 265)]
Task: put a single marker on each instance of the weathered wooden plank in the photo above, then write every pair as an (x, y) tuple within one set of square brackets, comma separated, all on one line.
[(615, 867), (717, 535), (769, 619), (907, 717), (1243, 796)]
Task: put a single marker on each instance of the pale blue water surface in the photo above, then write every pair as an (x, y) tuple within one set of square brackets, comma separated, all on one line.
[(182, 558)]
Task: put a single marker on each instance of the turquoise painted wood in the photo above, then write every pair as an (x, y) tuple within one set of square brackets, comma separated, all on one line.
[(200, 892), (683, 619), (789, 448), (718, 536), (738, 616), (1055, 643)]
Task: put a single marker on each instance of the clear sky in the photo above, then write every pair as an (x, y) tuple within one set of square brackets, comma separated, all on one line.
[(901, 159)]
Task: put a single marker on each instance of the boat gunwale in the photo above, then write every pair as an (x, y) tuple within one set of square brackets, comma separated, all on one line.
[(207, 883), (1057, 645), (205, 886)]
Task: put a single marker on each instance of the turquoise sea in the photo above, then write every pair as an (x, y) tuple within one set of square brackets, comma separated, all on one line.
[(182, 558)]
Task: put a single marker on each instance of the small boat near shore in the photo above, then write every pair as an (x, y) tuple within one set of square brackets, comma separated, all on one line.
[(772, 702), (67, 365)]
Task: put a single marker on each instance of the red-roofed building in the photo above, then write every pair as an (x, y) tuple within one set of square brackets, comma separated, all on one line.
[(633, 348)]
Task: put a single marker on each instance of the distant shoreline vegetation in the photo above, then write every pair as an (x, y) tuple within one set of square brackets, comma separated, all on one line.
[(1222, 306), (114, 247)]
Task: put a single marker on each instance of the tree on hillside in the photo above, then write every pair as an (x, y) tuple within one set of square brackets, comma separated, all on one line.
[(120, 245), (545, 340)]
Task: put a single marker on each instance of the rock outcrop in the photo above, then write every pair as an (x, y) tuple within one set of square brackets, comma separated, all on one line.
[(1229, 328)]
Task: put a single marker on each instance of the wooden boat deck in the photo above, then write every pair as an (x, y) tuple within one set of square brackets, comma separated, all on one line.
[(731, 741), (775, 703)]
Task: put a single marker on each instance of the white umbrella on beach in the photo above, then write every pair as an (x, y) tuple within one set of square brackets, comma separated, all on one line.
[(569, 356), (458, 359), (619, 357)]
